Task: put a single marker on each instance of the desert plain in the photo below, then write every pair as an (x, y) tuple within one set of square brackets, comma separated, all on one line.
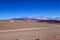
[(31, 30)]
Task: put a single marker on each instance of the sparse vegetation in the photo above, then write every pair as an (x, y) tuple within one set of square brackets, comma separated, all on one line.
[(37, 39)]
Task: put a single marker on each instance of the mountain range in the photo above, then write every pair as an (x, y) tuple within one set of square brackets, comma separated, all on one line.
[(39, 19), (36, 18)]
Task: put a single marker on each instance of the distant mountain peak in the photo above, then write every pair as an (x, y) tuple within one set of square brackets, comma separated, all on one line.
[(41, 18)]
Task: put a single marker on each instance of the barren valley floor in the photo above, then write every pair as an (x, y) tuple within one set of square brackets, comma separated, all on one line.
[(21, 30)]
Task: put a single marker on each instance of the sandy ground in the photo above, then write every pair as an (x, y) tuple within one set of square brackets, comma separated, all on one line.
[(29, 31), (41, 34), (6, 25)]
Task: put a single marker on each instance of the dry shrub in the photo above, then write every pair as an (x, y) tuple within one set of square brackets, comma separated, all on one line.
[(16, 39)]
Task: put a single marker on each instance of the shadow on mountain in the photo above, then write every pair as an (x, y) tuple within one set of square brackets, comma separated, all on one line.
[(49, 21)]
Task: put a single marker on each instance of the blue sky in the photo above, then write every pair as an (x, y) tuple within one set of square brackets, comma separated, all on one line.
[(29, 8)]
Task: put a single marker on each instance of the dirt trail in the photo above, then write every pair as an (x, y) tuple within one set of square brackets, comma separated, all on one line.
[(28, 29)]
